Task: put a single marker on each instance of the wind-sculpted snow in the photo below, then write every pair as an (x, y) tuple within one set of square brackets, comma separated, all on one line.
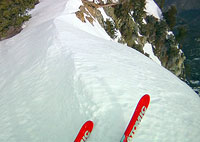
[(152, 9), (54, 76)]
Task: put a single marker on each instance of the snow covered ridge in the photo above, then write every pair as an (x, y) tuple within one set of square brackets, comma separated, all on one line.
[(95, 28), (59, 72)]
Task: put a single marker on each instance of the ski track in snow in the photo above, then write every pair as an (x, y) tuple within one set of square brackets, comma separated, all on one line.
[(55, 75)]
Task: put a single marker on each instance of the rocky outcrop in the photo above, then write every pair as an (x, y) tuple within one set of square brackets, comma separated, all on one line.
[(89, 11), (137, 32)]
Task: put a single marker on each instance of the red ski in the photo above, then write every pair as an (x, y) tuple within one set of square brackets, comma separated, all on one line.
[(136, 118), (84, 132)]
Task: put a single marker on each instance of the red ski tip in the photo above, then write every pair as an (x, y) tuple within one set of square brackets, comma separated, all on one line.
[(84, 132), (136, 118)]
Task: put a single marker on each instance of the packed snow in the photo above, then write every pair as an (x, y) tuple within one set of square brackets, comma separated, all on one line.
[(59, 72)]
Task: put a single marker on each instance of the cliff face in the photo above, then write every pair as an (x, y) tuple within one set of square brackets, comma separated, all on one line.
[(188, 17), (131, 23)]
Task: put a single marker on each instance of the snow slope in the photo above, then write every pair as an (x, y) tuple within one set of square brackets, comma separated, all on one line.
[(153, 9), (58, 73), (149, 50)]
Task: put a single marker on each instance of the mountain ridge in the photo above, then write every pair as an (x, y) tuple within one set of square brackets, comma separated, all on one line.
[(55, 75)]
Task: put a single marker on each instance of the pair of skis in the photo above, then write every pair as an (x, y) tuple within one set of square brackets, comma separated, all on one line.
[(140, 110)]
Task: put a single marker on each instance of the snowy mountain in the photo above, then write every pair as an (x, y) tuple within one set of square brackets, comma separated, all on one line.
[(59, 72)]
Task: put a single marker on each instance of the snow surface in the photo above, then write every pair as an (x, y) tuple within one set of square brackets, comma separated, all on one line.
[(149, 50), (153, 9), (58, 73)]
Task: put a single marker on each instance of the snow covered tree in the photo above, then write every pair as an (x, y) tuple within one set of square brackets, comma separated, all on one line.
[(138, 6)]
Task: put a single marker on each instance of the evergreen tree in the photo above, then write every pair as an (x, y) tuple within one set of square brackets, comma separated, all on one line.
[(170, 16), (161, 32), (160, 3), (138, 6), (12, 15), (181, 33), (110, 28), (121, 10)]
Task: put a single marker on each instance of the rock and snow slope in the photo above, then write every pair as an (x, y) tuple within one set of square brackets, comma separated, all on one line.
[(58, 73)]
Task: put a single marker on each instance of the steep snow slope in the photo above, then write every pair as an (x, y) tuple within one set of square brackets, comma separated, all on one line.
[(56, 74), (153, 9)]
